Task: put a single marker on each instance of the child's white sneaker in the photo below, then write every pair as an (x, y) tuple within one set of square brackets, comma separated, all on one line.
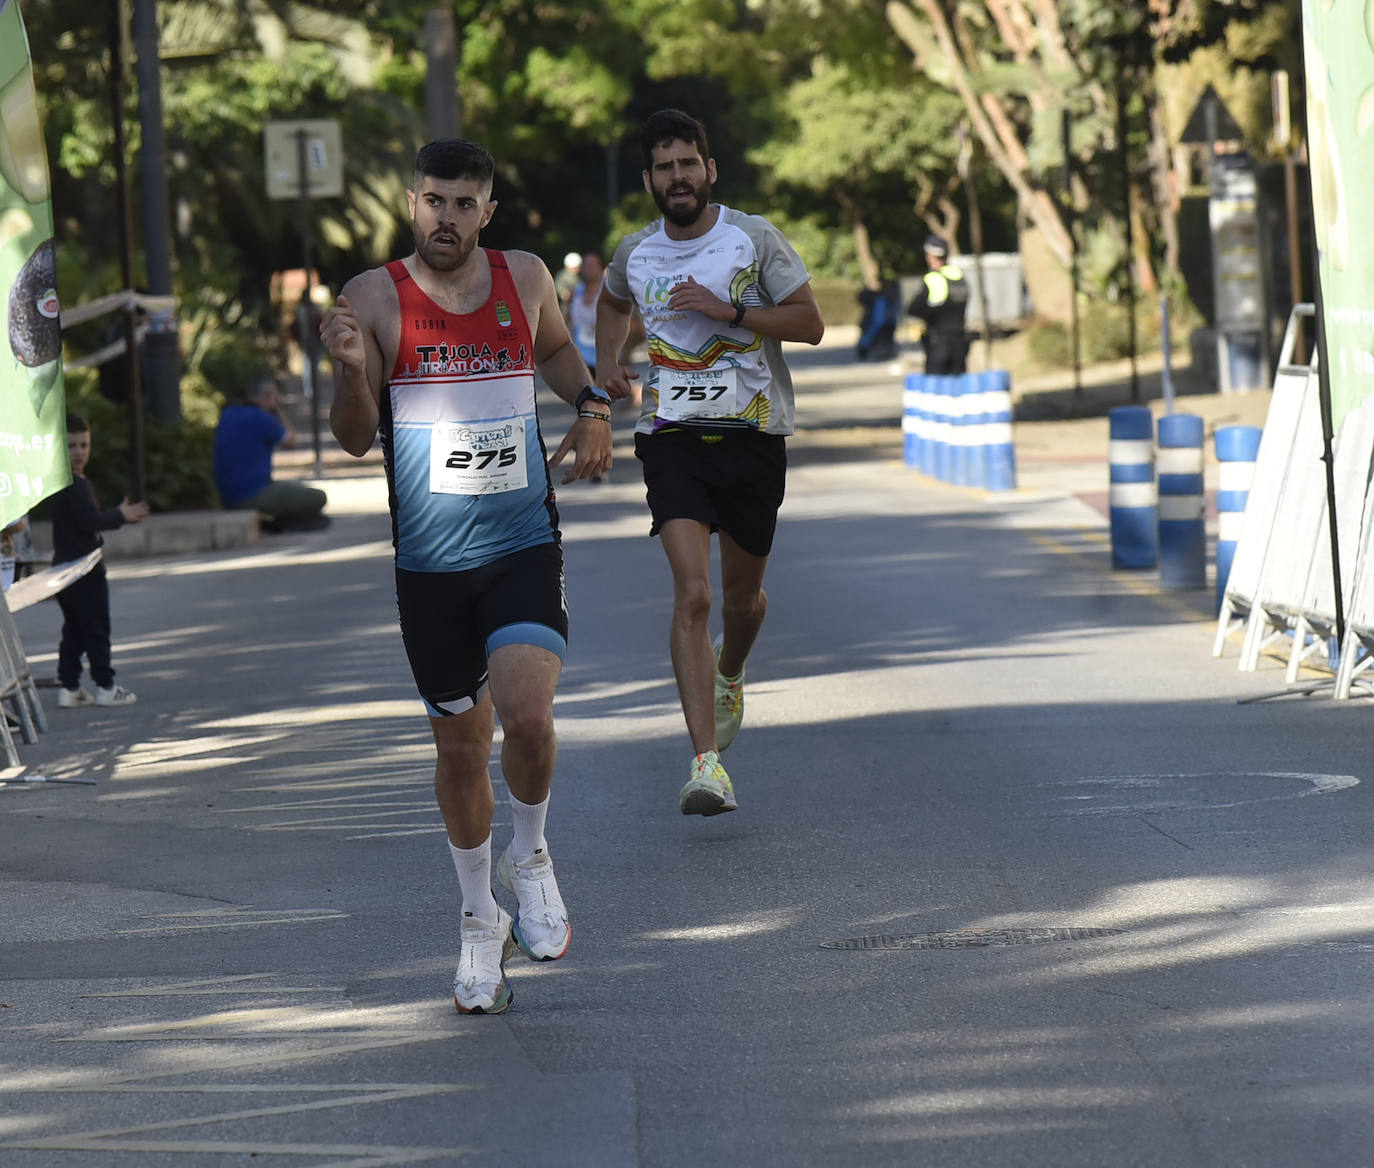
[(116, 695), (69, 699)]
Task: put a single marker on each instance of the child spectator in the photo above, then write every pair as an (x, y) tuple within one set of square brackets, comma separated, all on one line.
[(77, 522)]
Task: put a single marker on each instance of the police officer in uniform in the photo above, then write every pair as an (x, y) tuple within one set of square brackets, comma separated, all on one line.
[(942, 302)]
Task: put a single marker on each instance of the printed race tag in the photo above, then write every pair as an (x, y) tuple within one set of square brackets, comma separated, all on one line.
[(477, 458), (697, 394)]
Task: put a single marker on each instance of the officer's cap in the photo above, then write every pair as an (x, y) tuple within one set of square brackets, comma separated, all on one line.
[(937, 246)]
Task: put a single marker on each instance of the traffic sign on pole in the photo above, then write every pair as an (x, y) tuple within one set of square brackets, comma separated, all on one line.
[(323, 158)]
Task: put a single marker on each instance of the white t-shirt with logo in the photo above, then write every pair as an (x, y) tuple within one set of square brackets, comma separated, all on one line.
[(705, 372)]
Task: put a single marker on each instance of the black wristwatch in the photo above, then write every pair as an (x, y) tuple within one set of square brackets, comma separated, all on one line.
[(590, 393)]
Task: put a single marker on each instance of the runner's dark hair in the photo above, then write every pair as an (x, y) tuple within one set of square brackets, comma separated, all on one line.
[(450, 158), (671, 125)]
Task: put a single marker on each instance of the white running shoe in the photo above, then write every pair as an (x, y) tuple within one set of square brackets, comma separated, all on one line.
[(116, 695), (541, 926), (729, 702), (709, 790), (480, 985), (69, 699)]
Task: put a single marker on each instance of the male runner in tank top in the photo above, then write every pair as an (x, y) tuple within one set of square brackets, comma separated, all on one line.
[(438, 352), (718, 291)]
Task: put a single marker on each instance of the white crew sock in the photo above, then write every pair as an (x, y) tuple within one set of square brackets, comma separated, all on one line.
[(474, 878), (529, 820)]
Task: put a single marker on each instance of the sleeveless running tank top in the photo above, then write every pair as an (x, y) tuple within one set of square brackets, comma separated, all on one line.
[(465, 460)]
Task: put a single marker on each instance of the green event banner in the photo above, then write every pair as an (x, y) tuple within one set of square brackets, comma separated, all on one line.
[(1338, 52), (33, 442)]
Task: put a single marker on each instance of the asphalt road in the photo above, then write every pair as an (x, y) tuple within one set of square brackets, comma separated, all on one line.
[(1015, 880)]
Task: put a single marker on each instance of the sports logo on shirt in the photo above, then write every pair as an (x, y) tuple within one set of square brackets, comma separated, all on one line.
[(502, 313), (433, 360)]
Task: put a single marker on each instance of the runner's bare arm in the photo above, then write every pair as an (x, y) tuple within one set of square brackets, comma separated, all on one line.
[(612, 329), (349, 335), (562, 367), (797, 318)]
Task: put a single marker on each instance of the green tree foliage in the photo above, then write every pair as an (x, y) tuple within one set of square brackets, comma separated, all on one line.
[(1020, 65), (837, 118)]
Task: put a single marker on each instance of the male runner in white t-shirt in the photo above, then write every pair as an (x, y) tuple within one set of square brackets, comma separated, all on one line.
[(719, 291)]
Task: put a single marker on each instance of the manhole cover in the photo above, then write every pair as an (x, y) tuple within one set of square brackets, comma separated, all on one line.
[(970, 938)]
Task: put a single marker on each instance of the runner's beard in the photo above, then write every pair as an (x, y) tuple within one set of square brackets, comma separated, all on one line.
[(442, 261), (684, 217)]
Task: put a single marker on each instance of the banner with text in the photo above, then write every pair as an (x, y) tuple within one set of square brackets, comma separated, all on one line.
[(1338, 50), (33, 428)]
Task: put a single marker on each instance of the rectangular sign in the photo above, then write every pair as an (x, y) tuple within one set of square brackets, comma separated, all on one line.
[(33, 408), (323, 158)]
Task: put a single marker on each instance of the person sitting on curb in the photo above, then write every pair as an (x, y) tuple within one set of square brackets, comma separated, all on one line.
[(244, 440)]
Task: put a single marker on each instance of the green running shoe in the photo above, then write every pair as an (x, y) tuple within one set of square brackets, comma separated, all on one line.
[(729, 702), (709, 790)]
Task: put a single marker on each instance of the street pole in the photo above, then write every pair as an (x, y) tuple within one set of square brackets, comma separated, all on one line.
[(163, 358), (1211, 120), (138, 479), (309, 335), (1122, 126), (441, 68), (975, 228), (1065, 127), (1283, 139)]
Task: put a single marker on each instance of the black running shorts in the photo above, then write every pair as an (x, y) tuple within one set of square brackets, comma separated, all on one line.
[(451, 621), (733, 481)]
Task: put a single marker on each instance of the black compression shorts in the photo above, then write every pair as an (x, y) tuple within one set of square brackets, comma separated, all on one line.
[(452, 621)]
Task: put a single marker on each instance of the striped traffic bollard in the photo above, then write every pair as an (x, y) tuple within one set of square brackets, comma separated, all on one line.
[(913, 428), (998, 444), (960, 416), (1182, 502), (1134, 516), (944, 427), (976, 406), (1237, 448), (930, 425)]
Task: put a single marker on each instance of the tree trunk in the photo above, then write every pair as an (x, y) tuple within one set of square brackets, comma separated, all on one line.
[(1164, 186), (863, 247), (990, 122)]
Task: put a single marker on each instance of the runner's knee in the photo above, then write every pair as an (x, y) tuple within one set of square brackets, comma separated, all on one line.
[(528, 721), (461, 761), (744, 602), (692, 599)]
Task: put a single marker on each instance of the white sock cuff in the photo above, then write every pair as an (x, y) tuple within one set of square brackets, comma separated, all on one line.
[(527, 822), (473, 866)]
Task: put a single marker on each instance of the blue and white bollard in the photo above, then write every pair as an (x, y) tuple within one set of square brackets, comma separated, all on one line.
[(1182, 503), (1237, 448), (930, 425), (976, 405), (998, 439), (961, 416), (946, 389), (1134, 515), (913, 425)]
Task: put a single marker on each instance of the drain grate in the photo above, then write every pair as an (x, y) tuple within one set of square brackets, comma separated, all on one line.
[(970, 938)]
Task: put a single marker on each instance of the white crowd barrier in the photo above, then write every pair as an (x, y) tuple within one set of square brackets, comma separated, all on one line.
[(1314, 622), (20, 707), (19, 703), (1292, 386), (1292, 538), (1281, 588)]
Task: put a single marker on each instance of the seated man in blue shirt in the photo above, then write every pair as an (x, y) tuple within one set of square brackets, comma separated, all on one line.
[(244, 440)]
